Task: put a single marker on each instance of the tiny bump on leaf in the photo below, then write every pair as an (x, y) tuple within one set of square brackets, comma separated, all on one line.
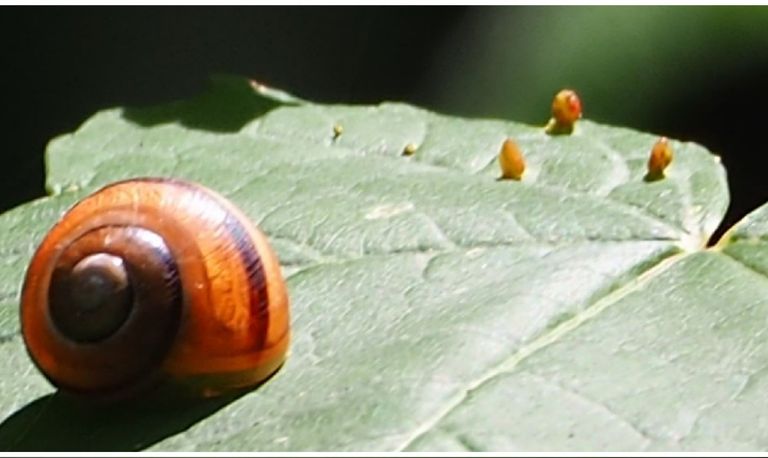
[(566, 110), (660, 157), (511, 161)]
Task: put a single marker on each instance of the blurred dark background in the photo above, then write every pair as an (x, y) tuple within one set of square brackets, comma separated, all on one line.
[(693, 73)]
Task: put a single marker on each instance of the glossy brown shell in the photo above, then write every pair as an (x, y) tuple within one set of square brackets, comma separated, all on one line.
[(232, 327)]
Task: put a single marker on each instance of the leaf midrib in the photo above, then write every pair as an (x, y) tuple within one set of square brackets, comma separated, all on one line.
[(542, 341)]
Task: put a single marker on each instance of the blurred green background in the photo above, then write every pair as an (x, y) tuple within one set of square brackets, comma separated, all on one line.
[(695, 73)]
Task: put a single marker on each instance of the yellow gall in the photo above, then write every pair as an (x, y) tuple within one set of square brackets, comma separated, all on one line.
[(258, 87), (566, 110), (409, 150), (661, 156), (338, 129), (511, 161)]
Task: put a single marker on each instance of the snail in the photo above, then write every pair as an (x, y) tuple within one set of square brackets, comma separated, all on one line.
[(149, 280)]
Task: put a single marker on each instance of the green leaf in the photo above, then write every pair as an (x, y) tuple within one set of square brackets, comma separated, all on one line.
[(433, 306)]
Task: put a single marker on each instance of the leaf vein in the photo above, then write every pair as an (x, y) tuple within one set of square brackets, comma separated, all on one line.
[(537, 344)]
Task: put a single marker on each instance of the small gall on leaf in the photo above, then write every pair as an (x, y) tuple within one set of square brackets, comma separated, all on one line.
[(566, 110), (661, 157), (511, 161), (256, 86), (409, 150), (338, 129)]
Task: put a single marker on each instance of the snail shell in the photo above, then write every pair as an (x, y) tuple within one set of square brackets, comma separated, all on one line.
[(154, 279)]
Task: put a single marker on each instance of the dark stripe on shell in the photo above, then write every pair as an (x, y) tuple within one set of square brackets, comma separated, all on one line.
[(249, 255), (251, 262)]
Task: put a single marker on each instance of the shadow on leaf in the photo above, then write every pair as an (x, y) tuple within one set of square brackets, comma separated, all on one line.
[(58, 422), (230, 103)]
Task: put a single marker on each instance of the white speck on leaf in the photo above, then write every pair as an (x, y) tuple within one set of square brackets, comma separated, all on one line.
[(388, 210)]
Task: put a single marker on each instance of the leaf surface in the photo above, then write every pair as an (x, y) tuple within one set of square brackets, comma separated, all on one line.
[(434, 307)]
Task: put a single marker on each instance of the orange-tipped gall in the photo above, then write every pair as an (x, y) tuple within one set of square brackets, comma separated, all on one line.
[(660, 158), (566, 110)]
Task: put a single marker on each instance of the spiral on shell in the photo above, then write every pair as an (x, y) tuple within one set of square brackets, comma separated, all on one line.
[(155, 279)]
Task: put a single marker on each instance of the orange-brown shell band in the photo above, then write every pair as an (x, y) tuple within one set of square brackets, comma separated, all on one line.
[(249, 256), (251, 262)]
